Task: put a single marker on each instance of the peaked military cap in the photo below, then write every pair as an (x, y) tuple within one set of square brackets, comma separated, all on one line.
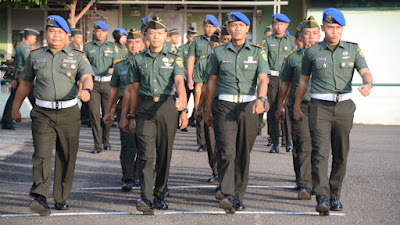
[(237, 16), (173, 32), (99, 24), (75, 31), (29, 31), (191, 30), (57, 21), (309, 23), (133, 33), (333, 15), (210, 19), (268, 29), (280, 17), (156, 23)]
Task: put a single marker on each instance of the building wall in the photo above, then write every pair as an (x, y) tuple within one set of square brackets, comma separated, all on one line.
[(368, 28), (129, 21), (3, 33)]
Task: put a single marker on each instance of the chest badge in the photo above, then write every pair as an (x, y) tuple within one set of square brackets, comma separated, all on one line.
[(345, 53), (166, 61), (324, 65), (73, 66), (246, 66), (285, 48), (343, 64), (69, 73), (70, 54)]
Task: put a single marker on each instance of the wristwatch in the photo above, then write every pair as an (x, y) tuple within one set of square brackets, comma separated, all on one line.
[(131, 117), (185, 110), (263, 99), (87, 89), (370, 84)]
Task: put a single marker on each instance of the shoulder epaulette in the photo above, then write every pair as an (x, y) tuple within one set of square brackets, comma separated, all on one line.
[(35, 49), (293, 51), (257, 45), (79, 50), (310, 45), (138, 52), (174, 52), (218, 44), (120, 59), (351, 42)]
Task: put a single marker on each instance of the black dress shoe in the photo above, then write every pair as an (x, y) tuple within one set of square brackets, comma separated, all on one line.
[(97, 150), (289, 146), (136, 182), (144, 206), (297, 187), (274, 149), (202, 148), (39, 205), (336, 205), (184, 130), (160, 204), (7, 126), (323, 207), (61, 206), (239, 206), (127, 186), (218, 193), (213, 179), (192, 123), (166, 192), (304, 194), (269, 141), (107, 146), (226, 204)]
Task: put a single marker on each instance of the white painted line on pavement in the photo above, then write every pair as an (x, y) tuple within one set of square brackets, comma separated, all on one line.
[(191, 187), (178, 213)]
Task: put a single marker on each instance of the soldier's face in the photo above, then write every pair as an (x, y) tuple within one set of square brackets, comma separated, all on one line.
[(226, 38), (31, 39), (238, 30), (134, 45), (333, 32), (56, 37), (268, 33), (175, 39), (100, 35), (78, 39), (299, 42), (122, 40), (156, 37), (310, 35), (209, 29), (279, 27), (190, 37)]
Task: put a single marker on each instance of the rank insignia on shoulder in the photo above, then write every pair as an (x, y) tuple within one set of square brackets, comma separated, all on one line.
[(174, 52), (79, 50), (138, 52), (290, 53), (351, 42), (34, 49), (218, 44), (310, 45), (257, 45), (120, 59)]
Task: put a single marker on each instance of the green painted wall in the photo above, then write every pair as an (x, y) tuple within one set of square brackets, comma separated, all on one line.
[(295, 11), (3, 33), (131, 21)]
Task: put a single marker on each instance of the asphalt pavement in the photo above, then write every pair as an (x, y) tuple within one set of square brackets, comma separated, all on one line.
[(370, 194)]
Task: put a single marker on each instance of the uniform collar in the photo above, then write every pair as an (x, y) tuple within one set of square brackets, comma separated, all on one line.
[(204, 37), (95, 42), (284, 36), (229, 45), (66, 49), (163, 51), (325, 45), (127, 59)]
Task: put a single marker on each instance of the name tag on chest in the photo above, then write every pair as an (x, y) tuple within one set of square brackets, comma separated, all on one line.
[(226, 61), (92, 51), (69, 61), (40, 60), (124, 72), (167, 67)]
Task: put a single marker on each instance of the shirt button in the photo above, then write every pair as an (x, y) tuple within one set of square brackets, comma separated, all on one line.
[(155, 80), (155, 89), (154, 71)]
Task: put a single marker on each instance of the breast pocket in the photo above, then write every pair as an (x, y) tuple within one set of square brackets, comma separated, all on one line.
[(347, 66), (40, 70), (249, 69), (166, 72), (200, 51), (68, 71), (321, 68)]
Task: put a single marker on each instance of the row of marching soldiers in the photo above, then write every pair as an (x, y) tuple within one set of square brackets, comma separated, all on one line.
[(234, 83)]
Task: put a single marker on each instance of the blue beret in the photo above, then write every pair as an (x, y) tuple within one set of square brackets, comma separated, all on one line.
[(237, 16), (210, 19), (99, 24), (279, 17), (121, 31), (57, 21), (332, 15)]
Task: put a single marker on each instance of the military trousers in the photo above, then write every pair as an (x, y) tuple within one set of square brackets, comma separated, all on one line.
[(330, 126), (97, 102), (200, 133), (211, 148), (236, 130), (273, 125), (302, 147), (128, 149), (60, 128), (155, 131)]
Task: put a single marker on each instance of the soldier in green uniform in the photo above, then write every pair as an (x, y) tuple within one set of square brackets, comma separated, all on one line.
[(331, 111), (174, 37), (118, 83), (184, 51), (238, 72), (76, 39), (120, 36), (209, 131), (307, 33), (199, 50), (21, 54), (153, 113), (225, 36), (277, 47), (56, 116), (101, 55)]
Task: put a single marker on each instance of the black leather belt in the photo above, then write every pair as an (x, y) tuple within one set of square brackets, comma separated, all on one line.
[(155, 98)]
